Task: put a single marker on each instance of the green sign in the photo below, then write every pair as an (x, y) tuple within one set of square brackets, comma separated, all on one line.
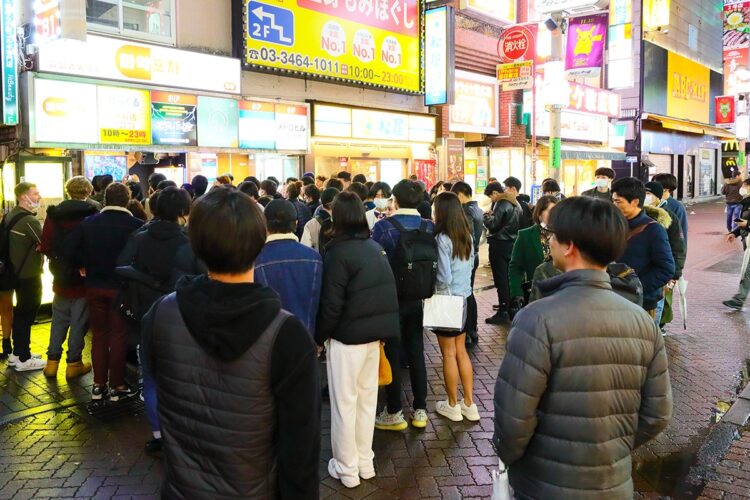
[(740, 159), (555, 159)]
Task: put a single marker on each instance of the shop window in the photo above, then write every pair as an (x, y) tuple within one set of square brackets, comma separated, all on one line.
[(151, 20)]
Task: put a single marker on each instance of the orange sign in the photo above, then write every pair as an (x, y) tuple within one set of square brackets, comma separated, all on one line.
[(688, 89)]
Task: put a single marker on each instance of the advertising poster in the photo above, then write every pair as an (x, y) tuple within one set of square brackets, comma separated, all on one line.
[(64, 112), (124, 115), (425, 170), (218, 122), (688, 89), (292, 127), (724, 110), (736, 40), (101, 164), (476, 104), (438, 44), (587, 37), (729, 167), (257, 125), (173, 119), (516, 75), (371, 42), (455, 152)]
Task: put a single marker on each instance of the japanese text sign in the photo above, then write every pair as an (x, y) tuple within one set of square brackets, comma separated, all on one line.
[(688, 89), (516, 75), (518, 43), (476, 106), (9, 48), (724, 110), (594, 100), (371, 42), (124, 115), (438, 54), (587, 37), (173, 118)]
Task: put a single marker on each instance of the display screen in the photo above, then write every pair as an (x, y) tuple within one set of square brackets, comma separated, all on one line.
[(175, 174), (173, 119), (116, 166), (217, 122)]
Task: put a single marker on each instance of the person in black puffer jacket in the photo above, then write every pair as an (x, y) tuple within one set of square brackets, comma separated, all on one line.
[(148, 264), (358, 310)]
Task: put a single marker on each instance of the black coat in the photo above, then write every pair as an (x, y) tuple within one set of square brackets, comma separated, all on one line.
[(358, 303), (505, 220)]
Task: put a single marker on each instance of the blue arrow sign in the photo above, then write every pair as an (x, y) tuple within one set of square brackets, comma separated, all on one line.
[(270, 24)]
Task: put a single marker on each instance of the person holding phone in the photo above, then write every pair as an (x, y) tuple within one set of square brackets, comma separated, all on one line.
[(741, 231)]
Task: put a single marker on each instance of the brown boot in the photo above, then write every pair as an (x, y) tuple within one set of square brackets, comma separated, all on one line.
[(77, 369), (50, 370)]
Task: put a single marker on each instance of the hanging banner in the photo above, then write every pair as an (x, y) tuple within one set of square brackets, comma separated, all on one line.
[(439, 56), (518, 43), (724, 110), (736, 25), (587, 37), (476, 106), (173, 118), (736, 40), (9, 48), (516, 75), (455, 149), (425, 170)]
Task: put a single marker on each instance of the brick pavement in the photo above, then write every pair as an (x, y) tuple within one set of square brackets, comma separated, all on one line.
[(733, 480), (70, 453)]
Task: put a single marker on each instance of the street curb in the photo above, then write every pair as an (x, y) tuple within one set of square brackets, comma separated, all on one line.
[(20, 415), (720, 438)]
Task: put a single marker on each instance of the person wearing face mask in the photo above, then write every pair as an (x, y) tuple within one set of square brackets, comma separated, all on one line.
[(604, 177), (25, 232), (379, 192), (530, 249), (147, 262), (741, 231), (656, 208)]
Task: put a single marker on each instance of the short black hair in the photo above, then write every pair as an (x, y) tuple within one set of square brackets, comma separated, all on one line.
[(380, 186), (291, 179), (630, 188), (596, 227), (369, 184), (200, 184), (154, 179), (359, 189), (604, 171), (117, 194), (165, 184), (334, 182), (253, 179), (269, 187), (550, 186), (104, 181), (274, 179), (95, 183), (463, 188), (408, 193), (153, 204), (312, 191), (281, 223), (344, 175), (361, 178), (513, 182), (249, 188), (493, 187), (348, 215), (173, 203), (307, 180), (227, 231), (668, 181)]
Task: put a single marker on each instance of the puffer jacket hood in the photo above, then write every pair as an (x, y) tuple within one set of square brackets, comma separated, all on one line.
[(225, 319), (71, 210), (735, 180), (508, 197), (163, 230), (659, 215)]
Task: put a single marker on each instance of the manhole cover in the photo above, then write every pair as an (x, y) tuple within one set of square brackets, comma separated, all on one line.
[(107, 411)]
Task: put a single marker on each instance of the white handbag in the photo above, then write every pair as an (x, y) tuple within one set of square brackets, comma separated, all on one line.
[(500, 483), (444, 312)]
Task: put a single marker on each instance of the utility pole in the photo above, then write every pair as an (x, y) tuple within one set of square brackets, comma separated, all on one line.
[(555, 110)]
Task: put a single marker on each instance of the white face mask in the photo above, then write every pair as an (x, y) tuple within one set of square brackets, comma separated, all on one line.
[(261, 192), (744, 191), (381, 203), (651, 199), (602, 183)]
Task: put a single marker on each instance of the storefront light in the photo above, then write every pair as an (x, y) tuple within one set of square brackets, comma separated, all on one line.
[(556, 91)]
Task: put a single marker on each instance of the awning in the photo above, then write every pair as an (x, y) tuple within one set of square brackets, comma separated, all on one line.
[(689, 127), (578, 151)]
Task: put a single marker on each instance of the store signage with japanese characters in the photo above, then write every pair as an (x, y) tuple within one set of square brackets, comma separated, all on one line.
[(123, 115), (173, 118), (516, 75), (9, 49), (63, 112), (518, 43), (736, 41), (476, 106), (594, 100), (362, 123), (368, 42), (438, 54), (548, 6), (111, 59)]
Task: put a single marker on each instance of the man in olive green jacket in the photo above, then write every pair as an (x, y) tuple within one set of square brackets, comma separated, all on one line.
[(585, 377)]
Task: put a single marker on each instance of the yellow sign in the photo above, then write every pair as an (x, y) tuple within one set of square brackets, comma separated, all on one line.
[(655, 13), (688, 89), (501, 10), (374, 42), (124, 115)]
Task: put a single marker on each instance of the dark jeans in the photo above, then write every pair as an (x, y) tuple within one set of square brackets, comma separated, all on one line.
[(500, 252), (734, 211), (28, 298), (109, 345), (412, 338), (471, 303)]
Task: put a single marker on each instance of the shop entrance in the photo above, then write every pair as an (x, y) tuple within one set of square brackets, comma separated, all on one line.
[(279, 166), (390, 170), (578, 175)]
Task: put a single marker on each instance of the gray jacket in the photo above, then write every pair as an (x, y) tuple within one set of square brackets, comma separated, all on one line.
[(577, 392)]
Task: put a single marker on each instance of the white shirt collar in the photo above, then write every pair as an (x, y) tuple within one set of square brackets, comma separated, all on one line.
[(113, 208), (281, 236), (406, 211)]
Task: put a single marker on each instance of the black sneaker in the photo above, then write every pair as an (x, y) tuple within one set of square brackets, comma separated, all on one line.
[(99, 392), (469, 342), (733, 304), (118, 394), (153, 446), (500, 318)]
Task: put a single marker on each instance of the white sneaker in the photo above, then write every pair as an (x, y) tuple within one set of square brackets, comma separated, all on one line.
[(346, 481), (450, 412), (470, 412), (13, 359), (419, 419), (30, 364), (390, 421)]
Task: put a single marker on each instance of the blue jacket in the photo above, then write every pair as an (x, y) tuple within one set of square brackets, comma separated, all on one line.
[(388, 236), (303, 216), (453, 274), (677, 208), (295, 273), (650, 255)]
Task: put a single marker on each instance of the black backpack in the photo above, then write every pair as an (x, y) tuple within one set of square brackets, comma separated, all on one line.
[(7, 273), (415, 262), (625, 282)]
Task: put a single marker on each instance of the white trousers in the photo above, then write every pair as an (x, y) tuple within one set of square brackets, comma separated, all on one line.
[(353, 388)]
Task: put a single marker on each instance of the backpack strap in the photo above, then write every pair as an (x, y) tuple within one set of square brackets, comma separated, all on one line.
[(400, 227), (423, 226), (639, 229)]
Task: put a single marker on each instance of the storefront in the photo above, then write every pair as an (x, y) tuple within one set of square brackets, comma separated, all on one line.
[(382, 145)]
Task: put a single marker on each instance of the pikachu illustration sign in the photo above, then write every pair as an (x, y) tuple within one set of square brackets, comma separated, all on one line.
[(587, 37)]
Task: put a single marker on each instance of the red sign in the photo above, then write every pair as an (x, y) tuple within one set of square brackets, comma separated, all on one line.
[(517, 43), (425, 172), (724, 111), (594, 100)]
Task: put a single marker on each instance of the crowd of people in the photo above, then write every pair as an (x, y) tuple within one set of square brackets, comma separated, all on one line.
[(230, 298)]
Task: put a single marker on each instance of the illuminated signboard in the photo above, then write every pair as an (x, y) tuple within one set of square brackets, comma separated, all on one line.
[(292, 127), (476, 106), (218, 122), (438, 55), (371, 42), (173, 118), (10, 61), (124, 115), (496, 10), (111, 59), (64, 112), (358, 123), (257, 128)]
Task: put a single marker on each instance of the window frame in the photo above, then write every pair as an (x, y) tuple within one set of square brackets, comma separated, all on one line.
[(122, 32)]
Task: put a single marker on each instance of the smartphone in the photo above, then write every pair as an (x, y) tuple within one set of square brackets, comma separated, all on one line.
[(737, 220)]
